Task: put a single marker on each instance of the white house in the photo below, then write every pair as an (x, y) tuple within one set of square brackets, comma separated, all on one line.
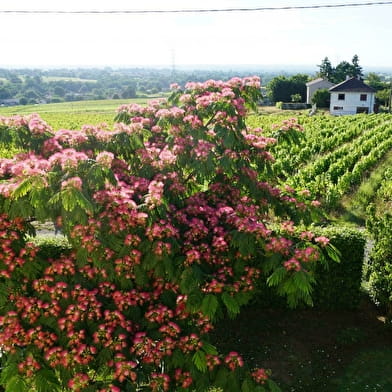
[(314, 85), (352, 96)]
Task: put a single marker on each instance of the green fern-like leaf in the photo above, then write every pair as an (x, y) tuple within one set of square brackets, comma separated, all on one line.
[(231, 303), (24, 188), (277, 277), (209, 305), (209, 348), (46, 381), (16, 384), (200, 361)]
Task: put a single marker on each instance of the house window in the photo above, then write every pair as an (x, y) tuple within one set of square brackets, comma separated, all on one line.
[(338, 108), (363, 97), (341, 97), (361, 109)]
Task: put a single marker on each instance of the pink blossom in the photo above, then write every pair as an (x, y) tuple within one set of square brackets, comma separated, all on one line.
[(37, 126), (315, 203), (260, 375), (234, 360), (167, 157), (292, 265), (73, 182), (323, 241), (155, 193), (105, 159)]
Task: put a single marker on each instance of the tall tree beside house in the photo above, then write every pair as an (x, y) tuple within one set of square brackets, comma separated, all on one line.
[(326, 69), (374, 80), (341, 71), (356, 68)]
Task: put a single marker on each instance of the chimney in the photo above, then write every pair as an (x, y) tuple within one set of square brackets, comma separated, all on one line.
[(348, 77)]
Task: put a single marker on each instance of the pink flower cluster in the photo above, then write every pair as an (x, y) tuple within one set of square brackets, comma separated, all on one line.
[(74, 182), (289, 124)]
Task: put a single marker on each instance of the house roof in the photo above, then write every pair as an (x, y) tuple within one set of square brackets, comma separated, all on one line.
[(318, 80), (352, 85)]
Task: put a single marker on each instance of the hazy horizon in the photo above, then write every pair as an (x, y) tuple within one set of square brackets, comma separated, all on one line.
[(267, 39)]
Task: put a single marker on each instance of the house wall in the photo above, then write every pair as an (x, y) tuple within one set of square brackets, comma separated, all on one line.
[(350, 103), (311, 89)]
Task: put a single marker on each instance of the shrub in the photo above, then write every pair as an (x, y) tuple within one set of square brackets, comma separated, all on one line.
[(321, 98), (170, 217), (296, 98), (279, 105), (51, 247), (338, 285), (379, 269)]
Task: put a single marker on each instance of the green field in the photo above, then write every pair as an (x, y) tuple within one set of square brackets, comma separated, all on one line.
[(66, 79), (72, 115)]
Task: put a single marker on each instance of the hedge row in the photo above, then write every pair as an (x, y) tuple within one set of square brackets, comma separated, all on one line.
[(378, 271), (338, 284)]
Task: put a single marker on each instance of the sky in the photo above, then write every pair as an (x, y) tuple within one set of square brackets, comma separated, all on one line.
[(290, 37)]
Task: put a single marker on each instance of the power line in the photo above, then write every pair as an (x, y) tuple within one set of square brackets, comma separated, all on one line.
[(183, 11)]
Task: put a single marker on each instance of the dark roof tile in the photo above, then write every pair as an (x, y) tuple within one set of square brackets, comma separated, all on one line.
[(352, 85)]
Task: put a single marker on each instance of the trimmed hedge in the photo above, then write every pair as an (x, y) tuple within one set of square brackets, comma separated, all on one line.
[(379, 268), (51, 246), (338, 285)]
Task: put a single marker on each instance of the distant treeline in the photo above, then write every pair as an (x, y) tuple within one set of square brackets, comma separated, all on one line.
[(30, 86)]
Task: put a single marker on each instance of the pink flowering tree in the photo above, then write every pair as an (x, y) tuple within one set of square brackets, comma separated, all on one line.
[(173, 216)]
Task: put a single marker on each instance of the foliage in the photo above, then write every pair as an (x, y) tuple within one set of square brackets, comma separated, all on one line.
[(341, 71), (296, 98), (376, 81), (379, 269), (321, 98), (369, 371), (325, 69), (281, 88), (338, 285), (383, 96), (172, 216), (92, 83), (333, 155)]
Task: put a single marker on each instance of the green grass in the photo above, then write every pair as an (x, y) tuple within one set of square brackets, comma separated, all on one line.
[(98, 106), (311, 350), (355, 203), (370, 371), (72, 115), (67, 79)]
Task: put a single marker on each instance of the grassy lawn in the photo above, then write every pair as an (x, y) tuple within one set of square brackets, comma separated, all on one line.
[(66, 78), (95, 106), (311, 350), (354, 204), (73, 115)]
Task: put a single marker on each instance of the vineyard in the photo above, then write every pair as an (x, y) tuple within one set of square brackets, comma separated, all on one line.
[(331, 158), (334, 154)]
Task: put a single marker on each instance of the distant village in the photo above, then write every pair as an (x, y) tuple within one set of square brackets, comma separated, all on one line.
[(342, 89)]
